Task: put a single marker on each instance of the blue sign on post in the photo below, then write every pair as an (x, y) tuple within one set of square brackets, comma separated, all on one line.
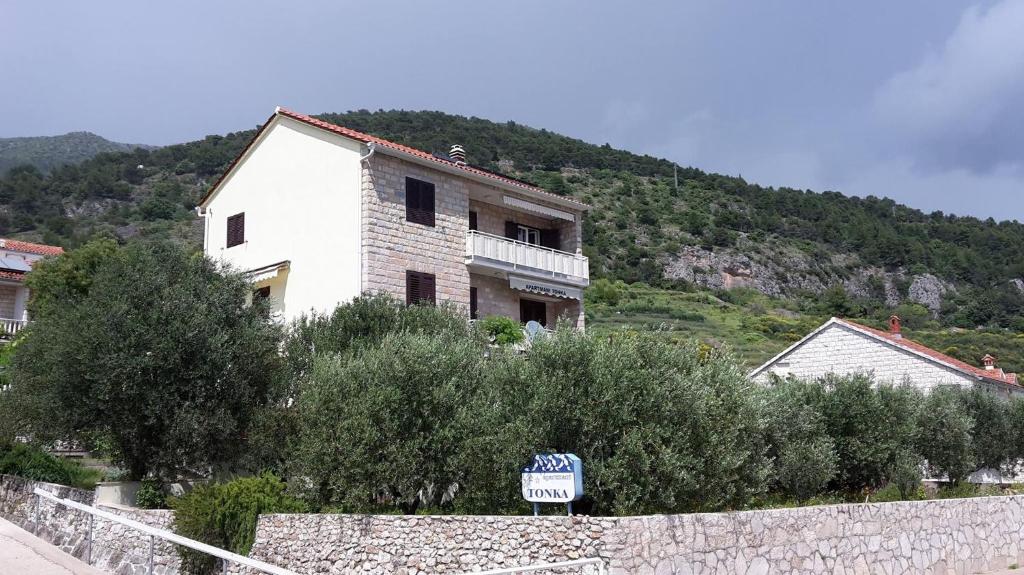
[(553, 478)]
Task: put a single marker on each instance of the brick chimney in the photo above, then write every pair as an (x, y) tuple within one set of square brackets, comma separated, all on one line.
[(457, 154), (989, 362), (894, 326)]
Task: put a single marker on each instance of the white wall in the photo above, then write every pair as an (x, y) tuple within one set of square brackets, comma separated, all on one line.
[(840, 350), (299, 189)]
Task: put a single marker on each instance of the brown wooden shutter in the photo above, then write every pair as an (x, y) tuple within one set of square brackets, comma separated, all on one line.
[(549, 239), (236, 230), (511, 230), (420, 288), (473, 309), (419, 202)]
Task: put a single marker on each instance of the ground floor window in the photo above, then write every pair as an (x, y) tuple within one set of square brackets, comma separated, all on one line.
[(474, 311), (531, 310)]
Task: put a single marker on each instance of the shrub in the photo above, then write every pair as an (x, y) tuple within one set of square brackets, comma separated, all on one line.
[(944, 434), (502, 330), (805, 467), (905, 474), (150, 495), (993, 445), (378, 429), (803, 454), (30, 462), (604, 291), (870, 425), (225, 515)]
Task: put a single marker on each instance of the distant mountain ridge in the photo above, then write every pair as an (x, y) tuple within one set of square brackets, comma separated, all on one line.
[(48, 152)]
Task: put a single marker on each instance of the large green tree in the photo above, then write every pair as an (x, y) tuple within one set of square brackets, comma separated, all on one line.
[(159, 356)]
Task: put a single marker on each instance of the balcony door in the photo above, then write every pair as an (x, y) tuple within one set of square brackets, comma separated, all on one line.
[(532, 310)]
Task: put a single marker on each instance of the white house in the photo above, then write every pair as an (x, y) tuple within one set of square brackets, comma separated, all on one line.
[(317, 214), (843, 347), (16, 260)]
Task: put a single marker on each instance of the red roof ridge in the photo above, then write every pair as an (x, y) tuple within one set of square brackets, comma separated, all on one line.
[(31, 248), (902, 341), (367, 138)]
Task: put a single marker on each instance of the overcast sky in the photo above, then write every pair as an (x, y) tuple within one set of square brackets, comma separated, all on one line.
[(918, 100)]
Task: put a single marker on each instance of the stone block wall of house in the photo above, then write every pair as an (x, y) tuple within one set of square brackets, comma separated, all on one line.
[(841, 350), (115, 547), (391, 245)]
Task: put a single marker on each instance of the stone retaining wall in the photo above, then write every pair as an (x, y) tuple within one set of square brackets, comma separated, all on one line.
[(115, 548), (949, 536)]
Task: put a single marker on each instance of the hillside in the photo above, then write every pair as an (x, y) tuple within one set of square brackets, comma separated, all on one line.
[(48, 152), (809, 254)]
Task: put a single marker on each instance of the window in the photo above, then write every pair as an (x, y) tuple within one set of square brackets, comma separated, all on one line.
[(419, 202), (236, 229), (261, 293), (472, 220), (528, 235), (419, 288), (473, 309), (530, 310)]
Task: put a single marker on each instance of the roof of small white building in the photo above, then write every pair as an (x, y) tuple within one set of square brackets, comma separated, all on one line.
[(896, 340)]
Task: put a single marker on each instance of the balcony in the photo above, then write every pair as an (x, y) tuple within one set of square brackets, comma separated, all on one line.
[(496, 252), (10, 327)]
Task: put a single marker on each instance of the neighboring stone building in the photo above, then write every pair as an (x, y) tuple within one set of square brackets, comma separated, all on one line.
[(843, 347), (16, 260), (317, 214)]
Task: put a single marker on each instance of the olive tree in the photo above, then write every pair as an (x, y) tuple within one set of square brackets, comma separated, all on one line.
[(158, 355)]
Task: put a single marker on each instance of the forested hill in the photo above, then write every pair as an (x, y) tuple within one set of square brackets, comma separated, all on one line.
[(48, 152), (865, 255)]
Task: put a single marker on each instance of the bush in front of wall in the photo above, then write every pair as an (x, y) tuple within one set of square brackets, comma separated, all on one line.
[(30, 462), (503, 330), (225, 515), (150, 495)]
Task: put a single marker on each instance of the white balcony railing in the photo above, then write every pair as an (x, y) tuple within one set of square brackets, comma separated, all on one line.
[(521, 256), (11, 327)]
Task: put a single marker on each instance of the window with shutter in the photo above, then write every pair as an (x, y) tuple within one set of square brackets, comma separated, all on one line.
[(419, 202), (236, 229), (420, 288), (473, 310)]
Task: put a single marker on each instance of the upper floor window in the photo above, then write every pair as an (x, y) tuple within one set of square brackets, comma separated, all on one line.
[(528, 235), (419, 202), (236, 230)]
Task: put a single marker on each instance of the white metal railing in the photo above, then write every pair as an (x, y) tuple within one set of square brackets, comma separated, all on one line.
[(11, 327), (545, 566), (153, 532), (519, 254)]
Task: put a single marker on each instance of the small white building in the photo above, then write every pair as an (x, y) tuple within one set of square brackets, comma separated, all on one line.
[(316, 214), (16, 260), (843, 347)]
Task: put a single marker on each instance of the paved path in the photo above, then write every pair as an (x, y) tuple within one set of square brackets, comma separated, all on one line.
[(21, 552)]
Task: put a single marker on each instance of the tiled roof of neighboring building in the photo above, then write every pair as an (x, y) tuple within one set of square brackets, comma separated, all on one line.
[(31, 248), (368, 139), (11, 275), (971, 370)]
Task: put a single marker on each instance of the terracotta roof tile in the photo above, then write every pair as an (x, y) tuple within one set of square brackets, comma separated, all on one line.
[(974, 371), (12, 275), (368, 139), (31, 248)]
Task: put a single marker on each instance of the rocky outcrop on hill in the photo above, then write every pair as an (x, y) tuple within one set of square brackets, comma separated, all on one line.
[(780, 272)]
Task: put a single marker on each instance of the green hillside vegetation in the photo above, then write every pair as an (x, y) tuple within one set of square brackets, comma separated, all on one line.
[(48, 152), (640, 222)]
